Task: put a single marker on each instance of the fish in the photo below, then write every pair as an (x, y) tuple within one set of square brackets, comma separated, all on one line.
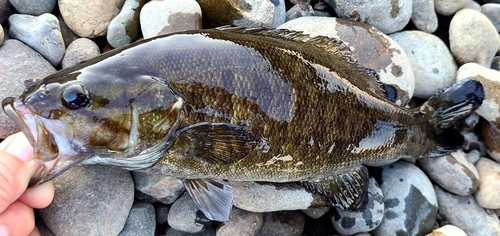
[(232, 104)]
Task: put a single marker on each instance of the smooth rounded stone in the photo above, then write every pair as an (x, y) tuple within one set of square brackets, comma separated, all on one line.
[(453, 172), (282, 223), (492, 11), (316, 212), (68, 35), (300, 9), (161, 188), (78, 51), (184, 214), (125, 27), (241, 222), (473, 156), (431, 61), (447, 230), (43, 229), (31, 7), (372, 48), (161, 212), (473, 38), (140, 221), (85, 196), (248, 13), (423, 15), (210, 231), (169, 16), (410, 201), (24, 64), (387, 16), (366, 218), (490, 109), (491, 137), (266, 197), (472, 143), (89, 19), (449, 7), (279, 15), (41, 33), (463, 211), (473, 5), (488, 195)]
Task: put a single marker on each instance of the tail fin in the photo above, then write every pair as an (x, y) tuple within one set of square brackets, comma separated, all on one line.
[(447, 109)]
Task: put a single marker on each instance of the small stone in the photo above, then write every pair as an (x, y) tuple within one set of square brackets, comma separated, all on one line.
[(387, 16), (15, 56), (423, 15), (410, 201), (43, 229), (162, 188), (161, 212), (78, 51), (31, 7), (125, 27), (453, 172), (41, 33), (365, 219), (472, 142), (66, 32), (463, 211), (316, 212), (89, 19), (474, 156), (241, 222), (488, 195), (447, 230), (184, 215), (283, 223), (492, 11), (449, 7), (84, 196), (491, 136), (140, 221), (299, 10), (248, 13), (431, 61), (473, 5), (473, 38), (279, 15), (210, 231)]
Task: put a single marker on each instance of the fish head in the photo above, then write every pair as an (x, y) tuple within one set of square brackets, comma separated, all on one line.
[(118, 119)]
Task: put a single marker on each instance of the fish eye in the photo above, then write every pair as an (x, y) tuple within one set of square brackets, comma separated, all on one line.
[(75, 97)]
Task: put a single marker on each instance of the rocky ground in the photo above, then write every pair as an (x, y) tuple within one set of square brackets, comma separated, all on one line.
[(419, 47)]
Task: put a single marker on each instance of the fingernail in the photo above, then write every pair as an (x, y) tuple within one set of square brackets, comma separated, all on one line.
[(3, 231), (19, 147)]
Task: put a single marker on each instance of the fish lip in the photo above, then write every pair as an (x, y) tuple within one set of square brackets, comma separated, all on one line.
[(22, 117)]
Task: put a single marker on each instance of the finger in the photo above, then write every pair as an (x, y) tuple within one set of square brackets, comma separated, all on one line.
[(38, 197), (35, 232), (18, 219), (19, 146)]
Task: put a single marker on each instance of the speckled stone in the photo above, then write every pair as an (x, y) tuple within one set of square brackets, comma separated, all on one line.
[(447, 230), (140, 220), (491, 136), (183, 215), (300, 9), (31, 7), (241, 222), (161, 188), (161, 212), (283, 223), (248, 13), (210, 231), (125, 27), (316, 212), (423, 15), (449, 7), (488, 195), (78, 51), (492, 11)]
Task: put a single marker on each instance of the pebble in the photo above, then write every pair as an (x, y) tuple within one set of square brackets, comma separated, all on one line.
[(423, 15), (161, 212), (140, 221), (250, 13), (86, 198), (210, 231), (387, 16), (66, 32), (449, 7), (463, 211), (316, 212), (473, 5), (279, 15), (89, 18), (184, 215), (241, 222), (125, 27), (372, 48), (16, 56), (431, 61), (472, 143), (169, 16), (410, 201), (488, 195), (31, 7), (490, 109), (366, 218), (161, 188), (447, 230), (43, 229), (300, 9), (42, 33), (473, 38), (283, 223), (491, 136), (492, 11), (78, 51), (453, 172)]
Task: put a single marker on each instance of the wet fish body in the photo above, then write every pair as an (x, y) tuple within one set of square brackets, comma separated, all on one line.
[(233, 104)]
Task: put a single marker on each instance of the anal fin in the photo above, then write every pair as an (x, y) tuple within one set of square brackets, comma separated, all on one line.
[(213, 197), (346, 191)]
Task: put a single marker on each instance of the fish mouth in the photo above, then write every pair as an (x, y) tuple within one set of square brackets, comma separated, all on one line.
[(52, 146)]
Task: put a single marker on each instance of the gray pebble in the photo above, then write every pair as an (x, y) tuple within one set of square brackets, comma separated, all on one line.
[(410, 201), (449, 7), (279, 15), (210, 231), (31, 7), (85, 197), (473, 156), (283, 223), (125, 27), (161, 212), (488, 195), (453, 172), (41, 33), (322, 13), (248, 13), (464, 212), (432, 63), (241, 222), (43, 229), (161, 188), (473, 38), (140, 220), (66, 32), (299, 10), (316, 212), (365, 219), (492, 11), (472, 142), (473, 5), (78, 51), (183, 215), (423, 15)]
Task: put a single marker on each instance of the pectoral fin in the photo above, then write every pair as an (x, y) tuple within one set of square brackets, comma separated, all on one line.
[(346, 191), (213, 197), (215, 143)]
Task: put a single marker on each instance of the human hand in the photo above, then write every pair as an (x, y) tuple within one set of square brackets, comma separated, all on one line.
[(16, 201)]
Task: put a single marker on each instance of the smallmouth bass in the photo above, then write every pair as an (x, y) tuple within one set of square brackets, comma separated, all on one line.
[(223, 104)]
